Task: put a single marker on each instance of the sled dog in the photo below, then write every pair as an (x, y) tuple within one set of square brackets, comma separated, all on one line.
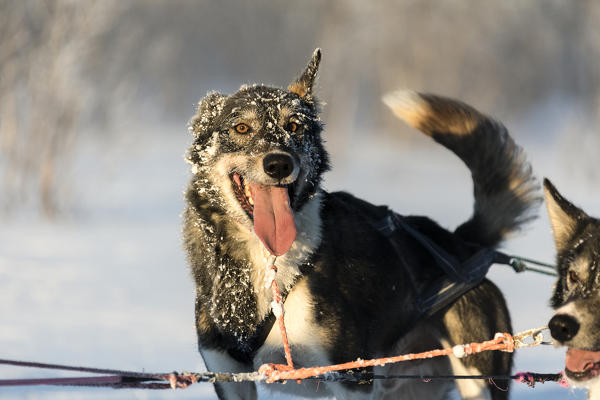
[(350, 272), (576, 297)]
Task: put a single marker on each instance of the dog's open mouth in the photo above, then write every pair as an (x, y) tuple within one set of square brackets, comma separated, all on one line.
[(270, 209), (582, 365)]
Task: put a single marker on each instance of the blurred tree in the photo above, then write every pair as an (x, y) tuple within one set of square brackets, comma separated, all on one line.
[(69, 68), (507, 56), (46, 50)]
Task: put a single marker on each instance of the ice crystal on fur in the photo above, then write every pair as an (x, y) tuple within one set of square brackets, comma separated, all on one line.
[(277, 309), (230, 312)]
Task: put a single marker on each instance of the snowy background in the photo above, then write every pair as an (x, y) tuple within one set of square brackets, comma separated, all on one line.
[(94, 101)]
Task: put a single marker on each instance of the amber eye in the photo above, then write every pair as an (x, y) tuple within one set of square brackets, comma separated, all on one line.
[(242, 128), (573, 277), (292, 127)]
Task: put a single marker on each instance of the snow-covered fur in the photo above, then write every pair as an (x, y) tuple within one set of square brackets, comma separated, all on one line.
[(257, 162), (576, 297)]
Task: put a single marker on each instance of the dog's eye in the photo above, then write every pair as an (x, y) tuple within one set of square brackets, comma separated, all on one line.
[(573, 277), (242, 128), (292, 127)]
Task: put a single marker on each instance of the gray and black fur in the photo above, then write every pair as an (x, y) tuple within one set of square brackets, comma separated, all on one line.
[(576, 297), (346, 293)]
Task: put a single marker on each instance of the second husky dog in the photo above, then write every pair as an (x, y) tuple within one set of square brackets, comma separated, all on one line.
[(350, 282), (576, 298)]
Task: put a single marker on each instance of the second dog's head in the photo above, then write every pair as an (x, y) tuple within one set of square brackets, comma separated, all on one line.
[(576, 298), (257, 155)]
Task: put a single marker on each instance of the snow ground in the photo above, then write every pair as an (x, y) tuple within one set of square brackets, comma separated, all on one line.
[(109, 286)]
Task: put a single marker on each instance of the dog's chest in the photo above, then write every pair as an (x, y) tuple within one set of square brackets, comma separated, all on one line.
[(308, 226)]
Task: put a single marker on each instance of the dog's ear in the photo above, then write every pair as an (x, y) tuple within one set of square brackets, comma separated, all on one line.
[(564, 216), (303, 86), (209, 108)]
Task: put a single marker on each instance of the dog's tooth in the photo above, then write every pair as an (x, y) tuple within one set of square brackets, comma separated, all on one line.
[(248, 194)]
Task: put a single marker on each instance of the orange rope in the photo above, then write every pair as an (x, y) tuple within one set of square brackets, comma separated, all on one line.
[(279, 304), (275, 372)]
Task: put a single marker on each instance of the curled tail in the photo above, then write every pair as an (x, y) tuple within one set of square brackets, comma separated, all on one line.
[(504, 186)]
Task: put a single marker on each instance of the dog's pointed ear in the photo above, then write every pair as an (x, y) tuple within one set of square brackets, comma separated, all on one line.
[(209, 108), (303, 86), (564, 216)]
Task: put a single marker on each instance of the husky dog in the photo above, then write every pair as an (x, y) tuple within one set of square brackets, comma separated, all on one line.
[(257, 162), (576, 298)]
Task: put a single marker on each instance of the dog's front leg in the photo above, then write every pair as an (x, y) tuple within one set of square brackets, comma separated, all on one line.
[(219, 361)]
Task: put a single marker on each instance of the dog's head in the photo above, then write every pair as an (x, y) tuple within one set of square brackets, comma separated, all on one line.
[(258, 156), (576, 298)]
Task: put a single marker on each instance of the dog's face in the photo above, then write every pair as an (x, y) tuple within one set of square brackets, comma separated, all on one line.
[(576, 298), (258, 156)]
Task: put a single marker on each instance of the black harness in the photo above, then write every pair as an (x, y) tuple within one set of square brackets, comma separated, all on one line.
[(454, 279)]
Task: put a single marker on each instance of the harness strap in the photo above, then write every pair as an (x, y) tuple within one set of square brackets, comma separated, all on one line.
[(457, 277), (472, 270)]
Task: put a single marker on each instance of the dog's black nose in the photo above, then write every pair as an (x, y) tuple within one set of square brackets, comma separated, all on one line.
[(278, 165), (563, 327)]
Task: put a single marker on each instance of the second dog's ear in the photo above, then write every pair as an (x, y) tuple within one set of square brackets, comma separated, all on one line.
[(564, 216), (303, 86)]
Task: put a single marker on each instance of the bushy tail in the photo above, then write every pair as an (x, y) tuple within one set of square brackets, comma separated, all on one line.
[(505, 189)]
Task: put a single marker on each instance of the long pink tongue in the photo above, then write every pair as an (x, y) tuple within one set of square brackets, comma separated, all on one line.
[(273, 218), (581, 360)]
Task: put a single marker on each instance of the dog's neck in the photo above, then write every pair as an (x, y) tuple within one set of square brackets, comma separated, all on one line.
[(308, 239)]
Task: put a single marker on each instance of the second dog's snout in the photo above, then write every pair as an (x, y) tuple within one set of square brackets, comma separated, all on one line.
[(563, 327), (278, 165)]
